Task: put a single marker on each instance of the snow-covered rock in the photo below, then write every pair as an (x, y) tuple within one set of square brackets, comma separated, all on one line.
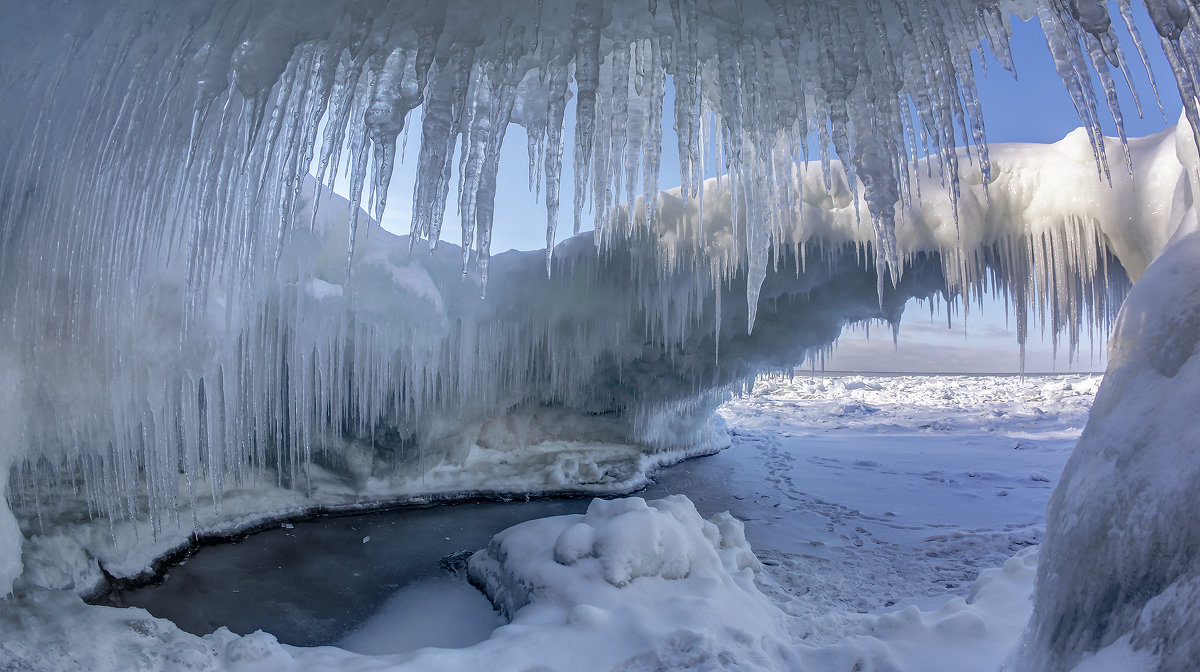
[(632, 573)]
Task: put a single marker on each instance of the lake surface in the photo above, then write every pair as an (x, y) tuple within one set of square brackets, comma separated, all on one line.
[(315, 581)]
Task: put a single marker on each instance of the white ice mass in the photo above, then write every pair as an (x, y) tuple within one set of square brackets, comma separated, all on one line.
[(199, 337)]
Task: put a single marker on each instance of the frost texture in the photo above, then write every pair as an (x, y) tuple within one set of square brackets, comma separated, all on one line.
[(179, 332)]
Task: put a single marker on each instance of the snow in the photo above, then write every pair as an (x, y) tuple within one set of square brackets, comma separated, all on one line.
[(444, 613), (198, 327), (902, 501), (1122, 539), (655, 573), (404, 384), (808, 573)]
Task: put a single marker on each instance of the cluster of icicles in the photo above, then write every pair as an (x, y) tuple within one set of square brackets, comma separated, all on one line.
[(753, 80), (277, 88), (177, 135)]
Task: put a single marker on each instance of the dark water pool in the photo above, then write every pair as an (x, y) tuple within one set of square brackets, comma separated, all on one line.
[(337, 579), (315, 581)]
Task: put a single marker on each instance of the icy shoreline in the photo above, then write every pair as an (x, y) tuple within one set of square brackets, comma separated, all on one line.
[(148, 558), (63, 561), (817, 466)]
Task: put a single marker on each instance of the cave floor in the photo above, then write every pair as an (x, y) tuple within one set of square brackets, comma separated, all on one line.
[(860, 495)]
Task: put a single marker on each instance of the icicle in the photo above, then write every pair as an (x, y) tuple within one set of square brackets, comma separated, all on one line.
[(154, 169), (485, 202), (358, 175), (395, 92), (475, 142), (556, 105), (439, 134), (585, 28), (652, 137), (428, 22)]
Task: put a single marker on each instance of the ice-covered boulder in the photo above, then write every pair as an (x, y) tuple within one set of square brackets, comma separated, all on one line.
[(654, 577), (1120, 568)]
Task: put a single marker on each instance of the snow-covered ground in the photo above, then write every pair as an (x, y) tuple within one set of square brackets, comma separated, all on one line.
[(893, 521), (864, 495)]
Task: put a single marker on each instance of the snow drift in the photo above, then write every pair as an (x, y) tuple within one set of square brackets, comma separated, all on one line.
[(1118, 568)]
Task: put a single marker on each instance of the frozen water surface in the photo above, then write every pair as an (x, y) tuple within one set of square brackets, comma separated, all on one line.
[(860, 492)]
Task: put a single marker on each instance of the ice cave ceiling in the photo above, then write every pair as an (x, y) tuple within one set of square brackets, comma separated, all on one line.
[(220, 108), (188, 313)]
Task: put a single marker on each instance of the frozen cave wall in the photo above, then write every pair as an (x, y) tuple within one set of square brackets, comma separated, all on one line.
[(190, 320)]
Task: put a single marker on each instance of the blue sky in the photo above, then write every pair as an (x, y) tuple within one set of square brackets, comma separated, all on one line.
[(1032, 107)]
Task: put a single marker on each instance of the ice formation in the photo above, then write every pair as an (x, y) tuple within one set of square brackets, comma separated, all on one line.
[(187, 320), (1125, 509), (798, 439)]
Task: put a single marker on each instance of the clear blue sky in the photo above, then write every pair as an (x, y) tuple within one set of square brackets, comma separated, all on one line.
[(1033, 107)]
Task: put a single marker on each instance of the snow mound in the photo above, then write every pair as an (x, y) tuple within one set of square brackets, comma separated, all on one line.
[(633, 572), (1119, 576)]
